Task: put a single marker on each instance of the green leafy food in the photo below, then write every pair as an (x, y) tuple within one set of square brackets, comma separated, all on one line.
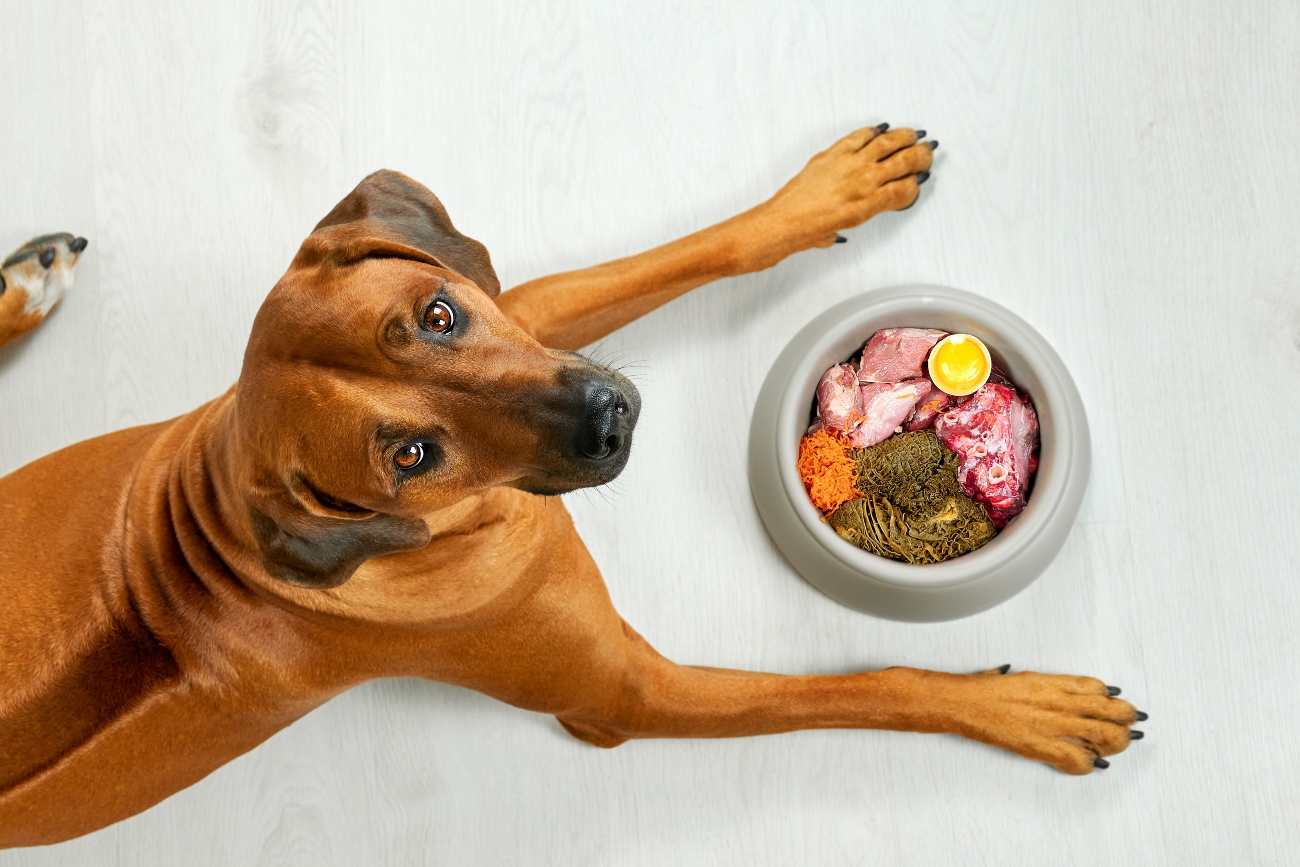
[(912, 508)]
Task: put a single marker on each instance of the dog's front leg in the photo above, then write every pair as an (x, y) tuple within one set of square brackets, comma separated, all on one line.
[(1068, 722), (859, 176)]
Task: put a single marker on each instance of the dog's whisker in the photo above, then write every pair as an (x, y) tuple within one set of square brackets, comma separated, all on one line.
[(598, 354), (616, 358), (600, 345)]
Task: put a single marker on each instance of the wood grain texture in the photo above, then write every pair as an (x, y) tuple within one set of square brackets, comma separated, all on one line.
[(1120, 174)]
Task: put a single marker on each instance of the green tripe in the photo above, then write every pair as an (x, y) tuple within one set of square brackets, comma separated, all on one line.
[(912, 508)]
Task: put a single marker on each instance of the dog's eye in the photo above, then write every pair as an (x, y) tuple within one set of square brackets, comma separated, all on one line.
[(47, 257), (409, 457), (440, 318)]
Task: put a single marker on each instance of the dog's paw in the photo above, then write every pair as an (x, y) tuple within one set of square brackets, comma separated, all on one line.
[(866, 172), (33, 279), (1071, 723)]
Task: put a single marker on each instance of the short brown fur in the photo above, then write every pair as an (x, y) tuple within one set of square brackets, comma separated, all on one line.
[(154, 626)]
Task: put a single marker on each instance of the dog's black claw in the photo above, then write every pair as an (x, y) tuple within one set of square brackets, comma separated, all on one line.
[(1142, 716), (1003, 669), (882, 127), (1113, 690), (934, 145), (840, 239), (1100, 763), (922, 177), (47, 257), (920, 134), (78, 244), (1136, 735)]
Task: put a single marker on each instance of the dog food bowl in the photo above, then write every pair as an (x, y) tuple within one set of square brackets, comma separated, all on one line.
[(888, 588)]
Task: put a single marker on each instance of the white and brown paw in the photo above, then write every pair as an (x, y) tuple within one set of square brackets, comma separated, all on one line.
[(33, 279)]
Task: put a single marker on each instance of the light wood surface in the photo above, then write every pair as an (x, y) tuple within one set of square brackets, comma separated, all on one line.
[(1123, 175)]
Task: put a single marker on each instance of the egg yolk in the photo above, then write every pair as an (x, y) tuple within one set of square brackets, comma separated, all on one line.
[(959, 364)]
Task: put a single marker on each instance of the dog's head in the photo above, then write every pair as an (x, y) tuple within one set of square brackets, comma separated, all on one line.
[(381, 383)]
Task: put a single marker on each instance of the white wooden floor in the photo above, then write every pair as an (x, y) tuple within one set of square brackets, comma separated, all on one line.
[(1126, 176)]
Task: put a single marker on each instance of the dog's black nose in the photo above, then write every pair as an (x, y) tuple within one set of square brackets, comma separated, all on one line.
[(606, 424), (78, 244)]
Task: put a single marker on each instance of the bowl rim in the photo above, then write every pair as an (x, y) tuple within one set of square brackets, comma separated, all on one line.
[(845, 323)]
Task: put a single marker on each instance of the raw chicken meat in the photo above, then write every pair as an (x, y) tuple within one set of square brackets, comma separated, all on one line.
[(839, 399), (896, 354), (927, 409), (885, 405), (994, 434)]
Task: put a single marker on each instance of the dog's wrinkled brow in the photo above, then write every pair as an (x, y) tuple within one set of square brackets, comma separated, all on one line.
[(389, 432)]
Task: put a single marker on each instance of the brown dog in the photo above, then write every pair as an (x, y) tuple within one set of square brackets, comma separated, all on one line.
[(375, 498)]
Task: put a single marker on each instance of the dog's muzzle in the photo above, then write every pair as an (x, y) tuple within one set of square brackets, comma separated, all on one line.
[(585, 428)]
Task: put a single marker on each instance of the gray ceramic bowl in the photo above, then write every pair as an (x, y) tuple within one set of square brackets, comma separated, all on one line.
[(888, 588)]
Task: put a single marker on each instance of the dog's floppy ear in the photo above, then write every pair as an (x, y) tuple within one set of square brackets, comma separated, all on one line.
[(320, 545), (388, 214)]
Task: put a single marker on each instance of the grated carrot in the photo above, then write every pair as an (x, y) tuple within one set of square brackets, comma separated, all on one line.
[(827, 471)]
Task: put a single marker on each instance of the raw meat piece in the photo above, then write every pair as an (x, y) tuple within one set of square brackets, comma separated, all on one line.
[(885, 405), (927, 409), (839, 400), (896, 354), (995, 434), (1024, 440)]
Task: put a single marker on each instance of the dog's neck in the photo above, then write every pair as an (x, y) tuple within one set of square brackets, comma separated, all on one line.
[(184, 553), (190, 551)]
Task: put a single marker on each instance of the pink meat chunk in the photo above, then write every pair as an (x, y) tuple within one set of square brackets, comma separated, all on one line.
[(885, 406), (927, 410), (897, 354), (839, 399), (994, 434)]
